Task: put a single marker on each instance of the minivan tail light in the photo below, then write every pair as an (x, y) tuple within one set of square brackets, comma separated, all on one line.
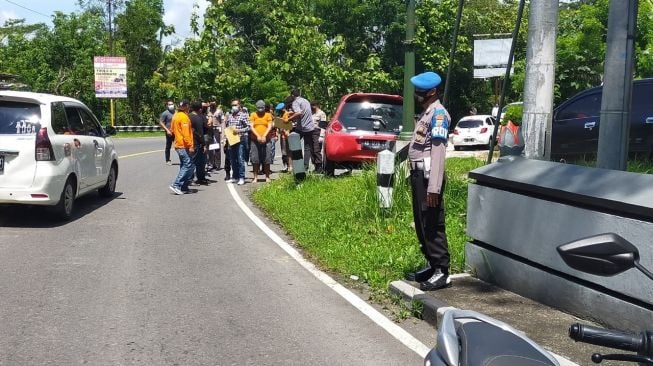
[(484, 130), (44, 151), (336, 126), (456, 132)]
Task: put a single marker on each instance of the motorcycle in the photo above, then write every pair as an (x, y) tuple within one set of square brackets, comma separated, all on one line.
[(470, 338)]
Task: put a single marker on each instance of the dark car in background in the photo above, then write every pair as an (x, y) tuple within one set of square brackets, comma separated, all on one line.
[(363, 125), (576, 122)]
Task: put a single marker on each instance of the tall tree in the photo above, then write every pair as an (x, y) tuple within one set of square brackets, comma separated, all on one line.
[(138, 30)]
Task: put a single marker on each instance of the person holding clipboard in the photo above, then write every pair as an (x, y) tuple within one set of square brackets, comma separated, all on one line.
[(237, 131)]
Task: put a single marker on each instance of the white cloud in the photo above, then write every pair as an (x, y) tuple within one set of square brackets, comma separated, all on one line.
[(178, 14), (6, 15)]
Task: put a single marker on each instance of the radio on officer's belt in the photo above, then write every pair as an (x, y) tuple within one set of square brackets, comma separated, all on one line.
[(424, 165)]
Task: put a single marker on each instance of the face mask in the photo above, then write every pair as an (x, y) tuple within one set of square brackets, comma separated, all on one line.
[(171, 108), (234, 109), (204, 110), (420, 96)]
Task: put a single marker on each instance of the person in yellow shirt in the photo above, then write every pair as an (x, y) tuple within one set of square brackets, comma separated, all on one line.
[(184, 145), (260, 141)]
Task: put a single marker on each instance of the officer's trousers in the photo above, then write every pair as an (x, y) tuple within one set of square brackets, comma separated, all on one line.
[(429, 223)]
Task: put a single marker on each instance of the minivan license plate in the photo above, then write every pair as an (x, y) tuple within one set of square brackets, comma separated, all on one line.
[(2, 164)]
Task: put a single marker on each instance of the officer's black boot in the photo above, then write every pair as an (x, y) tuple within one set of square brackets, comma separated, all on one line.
[(440, 279), (420, 275)]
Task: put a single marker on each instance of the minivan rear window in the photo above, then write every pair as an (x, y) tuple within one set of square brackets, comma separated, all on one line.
[(361, 115), (19, 118), (470, 123)]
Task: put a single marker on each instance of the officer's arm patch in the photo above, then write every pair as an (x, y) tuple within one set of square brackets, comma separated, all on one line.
[(440, 124)]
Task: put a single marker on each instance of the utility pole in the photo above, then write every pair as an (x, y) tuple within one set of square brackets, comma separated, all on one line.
[(409, 71), (614, 129), (452, 53), (506, 78), (540, 78), (112, 109)]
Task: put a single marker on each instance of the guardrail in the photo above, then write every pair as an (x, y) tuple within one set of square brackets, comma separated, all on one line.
[(139, 128)]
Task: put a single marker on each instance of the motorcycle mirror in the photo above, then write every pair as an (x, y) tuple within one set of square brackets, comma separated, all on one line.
[(602, 255)]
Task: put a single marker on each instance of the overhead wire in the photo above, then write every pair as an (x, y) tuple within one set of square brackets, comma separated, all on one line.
[(26, 8)]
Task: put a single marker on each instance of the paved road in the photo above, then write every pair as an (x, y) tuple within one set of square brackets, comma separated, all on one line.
[(149, 278)]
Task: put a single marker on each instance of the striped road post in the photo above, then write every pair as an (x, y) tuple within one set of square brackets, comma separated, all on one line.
[(295, 145), (385, 174)]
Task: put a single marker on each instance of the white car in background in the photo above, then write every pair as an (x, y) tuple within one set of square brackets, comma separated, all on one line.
[(52, 150), (473, 130)]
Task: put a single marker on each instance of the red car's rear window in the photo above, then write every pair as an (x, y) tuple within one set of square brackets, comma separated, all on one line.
[(359, 113)]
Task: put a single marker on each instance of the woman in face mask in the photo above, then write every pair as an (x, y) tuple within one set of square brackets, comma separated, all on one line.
[(261, 143)]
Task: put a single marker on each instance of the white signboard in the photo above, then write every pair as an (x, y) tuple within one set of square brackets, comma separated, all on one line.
[(491, 57), (491, 72), (110, 77)]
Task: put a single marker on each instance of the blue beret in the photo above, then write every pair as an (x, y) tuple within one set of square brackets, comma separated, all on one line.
[(280, 106), (426, 80)]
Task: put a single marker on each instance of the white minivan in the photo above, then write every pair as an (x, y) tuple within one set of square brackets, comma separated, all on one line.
[(52, 150)]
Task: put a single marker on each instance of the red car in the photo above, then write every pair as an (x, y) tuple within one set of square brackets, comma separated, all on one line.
[(363, 125)]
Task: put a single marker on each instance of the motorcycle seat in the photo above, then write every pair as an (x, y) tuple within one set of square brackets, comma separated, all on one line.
[(483, 344)]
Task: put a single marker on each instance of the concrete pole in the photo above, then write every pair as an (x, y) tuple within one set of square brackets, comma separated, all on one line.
[(614, 129), (452, 53), (409, 71), (540, 78)]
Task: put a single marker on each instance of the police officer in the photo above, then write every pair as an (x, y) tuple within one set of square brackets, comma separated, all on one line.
[(427, 154)]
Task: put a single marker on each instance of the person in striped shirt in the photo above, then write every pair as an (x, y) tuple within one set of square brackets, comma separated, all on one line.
[(239, 120)]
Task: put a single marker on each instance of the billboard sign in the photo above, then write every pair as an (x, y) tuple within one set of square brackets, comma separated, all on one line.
[(110, 77), (491, 57)]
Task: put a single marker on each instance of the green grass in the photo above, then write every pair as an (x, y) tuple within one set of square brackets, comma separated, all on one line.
[(121, 135), (338, 222), (636, 164)]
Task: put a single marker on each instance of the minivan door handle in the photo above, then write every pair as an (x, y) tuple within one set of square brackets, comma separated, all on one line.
[(590, 125), (649, 120)]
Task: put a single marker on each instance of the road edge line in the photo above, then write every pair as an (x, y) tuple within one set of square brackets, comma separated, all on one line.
[(381, 320)]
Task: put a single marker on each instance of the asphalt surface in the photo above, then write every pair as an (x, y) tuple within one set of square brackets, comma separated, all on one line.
[(150, 278)]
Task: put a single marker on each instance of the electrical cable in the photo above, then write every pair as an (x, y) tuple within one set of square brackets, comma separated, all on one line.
[(26, 8)]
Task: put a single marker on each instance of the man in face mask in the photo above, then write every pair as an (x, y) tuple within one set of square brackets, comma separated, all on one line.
[(165, 122), (239, 120), (426, 153)]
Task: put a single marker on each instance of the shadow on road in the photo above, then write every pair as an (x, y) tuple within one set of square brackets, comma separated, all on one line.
[(42, 216)]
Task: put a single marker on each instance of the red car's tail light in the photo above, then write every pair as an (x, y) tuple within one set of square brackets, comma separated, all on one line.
[(43, 151), (484, 130), (455, 132), (336, 126)]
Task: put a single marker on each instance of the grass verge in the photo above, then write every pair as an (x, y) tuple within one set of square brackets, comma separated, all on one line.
[(636, 163), (340, 226)]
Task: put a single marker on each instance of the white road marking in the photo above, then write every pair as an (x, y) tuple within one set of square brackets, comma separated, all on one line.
[(388, 325), (139, 154)]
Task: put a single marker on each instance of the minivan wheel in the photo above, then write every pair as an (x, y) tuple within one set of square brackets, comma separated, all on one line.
[(110, 187), (64, 208)]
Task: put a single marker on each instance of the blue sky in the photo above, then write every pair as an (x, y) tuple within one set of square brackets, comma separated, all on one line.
[(177, 12)]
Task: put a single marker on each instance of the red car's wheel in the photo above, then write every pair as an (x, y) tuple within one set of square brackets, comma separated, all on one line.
[(328, 166)]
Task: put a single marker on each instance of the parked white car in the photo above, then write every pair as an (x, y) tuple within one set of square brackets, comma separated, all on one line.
[(53, 150), (473, 130)]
